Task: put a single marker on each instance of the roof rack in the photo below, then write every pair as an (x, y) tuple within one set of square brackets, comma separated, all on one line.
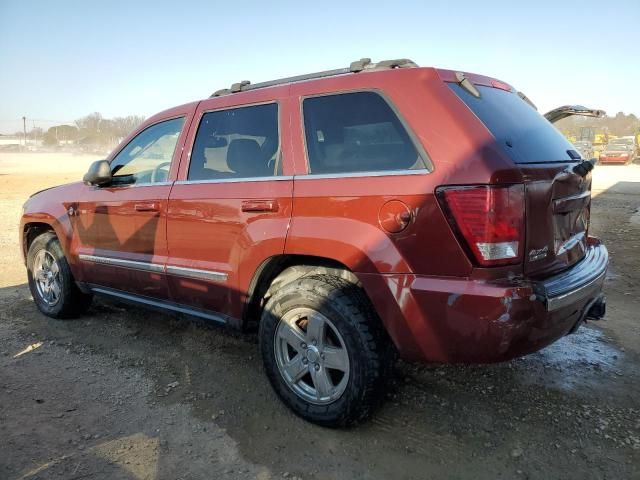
[(355, 67)]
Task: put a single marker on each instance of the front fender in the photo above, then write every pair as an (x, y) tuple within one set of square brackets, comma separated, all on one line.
[(50, 207), (58, 224)]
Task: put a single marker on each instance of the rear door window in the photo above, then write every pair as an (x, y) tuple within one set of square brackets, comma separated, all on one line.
[(236, 143), (524, 134), (356, 132)]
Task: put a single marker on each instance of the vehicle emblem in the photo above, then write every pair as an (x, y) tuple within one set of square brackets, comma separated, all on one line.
[(538, 254)]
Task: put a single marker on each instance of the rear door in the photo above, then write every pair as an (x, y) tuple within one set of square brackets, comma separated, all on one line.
[(230, 209), (557, 199)]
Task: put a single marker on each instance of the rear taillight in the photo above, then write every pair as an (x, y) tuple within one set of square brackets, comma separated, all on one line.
[(490, 220)]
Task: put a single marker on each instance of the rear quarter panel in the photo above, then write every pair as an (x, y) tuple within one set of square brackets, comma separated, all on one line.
[(338, 217)]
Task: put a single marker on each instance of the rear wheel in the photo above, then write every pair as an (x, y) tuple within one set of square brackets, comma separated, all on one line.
[(50, 280), (324, 350)]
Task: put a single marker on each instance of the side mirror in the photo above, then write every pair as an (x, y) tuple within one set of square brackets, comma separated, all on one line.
[(99, 173)]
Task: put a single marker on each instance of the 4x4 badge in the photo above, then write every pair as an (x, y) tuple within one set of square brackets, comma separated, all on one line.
[(538, 254)]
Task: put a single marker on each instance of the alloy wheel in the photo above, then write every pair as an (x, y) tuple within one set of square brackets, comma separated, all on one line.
[(46, 273), (311, 356)]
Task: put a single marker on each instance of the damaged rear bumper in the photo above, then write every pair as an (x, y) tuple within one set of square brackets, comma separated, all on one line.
[(583, 280), (474, 321)]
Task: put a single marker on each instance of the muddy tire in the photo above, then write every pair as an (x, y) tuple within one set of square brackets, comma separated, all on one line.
[(324, 350), (52, 285)]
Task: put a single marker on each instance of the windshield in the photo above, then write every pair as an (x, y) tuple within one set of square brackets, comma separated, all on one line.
[(618, 147), (524, 134), (622, 141)]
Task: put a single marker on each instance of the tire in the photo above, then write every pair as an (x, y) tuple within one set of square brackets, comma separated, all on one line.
[(53, 287), (353, 341)]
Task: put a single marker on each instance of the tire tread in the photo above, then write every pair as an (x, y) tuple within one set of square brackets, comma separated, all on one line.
[(376, 354)]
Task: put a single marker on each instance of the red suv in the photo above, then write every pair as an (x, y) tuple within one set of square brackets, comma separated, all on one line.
[(349, 215)]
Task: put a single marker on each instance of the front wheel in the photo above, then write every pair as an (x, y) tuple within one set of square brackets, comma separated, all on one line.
[(324, 350), (50, 280)]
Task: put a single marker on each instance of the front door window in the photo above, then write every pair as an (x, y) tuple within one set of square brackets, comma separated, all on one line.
[(147, 158)]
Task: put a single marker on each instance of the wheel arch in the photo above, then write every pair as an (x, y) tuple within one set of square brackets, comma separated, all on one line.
[(288, 267), (32, 230)]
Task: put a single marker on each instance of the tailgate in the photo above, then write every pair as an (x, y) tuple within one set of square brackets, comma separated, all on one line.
[(558, 204), (557, 200)]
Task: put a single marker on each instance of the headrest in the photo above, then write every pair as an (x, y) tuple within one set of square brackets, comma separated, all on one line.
[(244, 157)]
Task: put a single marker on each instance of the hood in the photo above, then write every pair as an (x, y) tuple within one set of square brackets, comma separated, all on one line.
[(53, 188)]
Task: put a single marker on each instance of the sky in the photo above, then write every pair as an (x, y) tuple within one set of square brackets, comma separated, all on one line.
[(65, 59)]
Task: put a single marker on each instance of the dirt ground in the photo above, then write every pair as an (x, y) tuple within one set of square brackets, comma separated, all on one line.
[(122, 393)]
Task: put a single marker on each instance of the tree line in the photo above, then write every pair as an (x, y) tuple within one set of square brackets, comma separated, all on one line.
[(618, 124), (95, 130), (92, 129)]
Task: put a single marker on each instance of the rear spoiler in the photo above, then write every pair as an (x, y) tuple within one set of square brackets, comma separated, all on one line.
[(568, 110)]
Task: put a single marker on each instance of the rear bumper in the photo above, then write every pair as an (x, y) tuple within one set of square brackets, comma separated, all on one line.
[(614, 160), (584, 280), (471, 321)]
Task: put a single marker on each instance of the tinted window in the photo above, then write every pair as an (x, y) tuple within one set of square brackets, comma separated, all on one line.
[(524, 134), (236, 143), (356, 132), (147, 157)]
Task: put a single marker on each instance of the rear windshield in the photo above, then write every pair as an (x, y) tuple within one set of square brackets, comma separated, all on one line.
[(524, 134)]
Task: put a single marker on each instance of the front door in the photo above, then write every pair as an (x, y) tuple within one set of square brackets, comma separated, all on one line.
[(121, 227), (230, 208)]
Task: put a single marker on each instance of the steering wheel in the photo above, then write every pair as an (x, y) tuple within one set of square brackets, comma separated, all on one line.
[(156, 171)]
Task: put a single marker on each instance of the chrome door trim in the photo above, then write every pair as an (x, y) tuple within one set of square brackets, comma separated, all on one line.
[(274, 178), (119, 262), (123, 186), (209, 275), (377, 173), (197, 273)]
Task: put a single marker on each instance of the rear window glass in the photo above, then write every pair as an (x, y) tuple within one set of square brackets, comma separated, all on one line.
[(622, 141), (524, 134), (356, 132)]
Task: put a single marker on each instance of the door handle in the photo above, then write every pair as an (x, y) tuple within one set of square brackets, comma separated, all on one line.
[(147, 207), (260, 206)]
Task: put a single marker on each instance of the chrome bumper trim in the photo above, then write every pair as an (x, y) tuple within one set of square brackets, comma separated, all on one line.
[(584, 280), (591, 289)]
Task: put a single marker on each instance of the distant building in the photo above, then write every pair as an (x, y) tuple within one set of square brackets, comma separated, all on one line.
[(11, 140)]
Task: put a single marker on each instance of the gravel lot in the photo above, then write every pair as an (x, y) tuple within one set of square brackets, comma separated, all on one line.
[(126, 394)]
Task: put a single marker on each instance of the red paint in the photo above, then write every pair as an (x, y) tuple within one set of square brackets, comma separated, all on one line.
[(391, 231), (394, 216), (615, 158)]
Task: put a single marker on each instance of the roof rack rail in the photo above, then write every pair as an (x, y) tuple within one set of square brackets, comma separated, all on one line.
[(355, 67)]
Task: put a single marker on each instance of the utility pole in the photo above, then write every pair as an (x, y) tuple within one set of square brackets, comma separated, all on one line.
[(24, 128)]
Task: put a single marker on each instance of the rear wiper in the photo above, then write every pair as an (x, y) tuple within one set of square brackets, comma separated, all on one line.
[(584, 167)]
